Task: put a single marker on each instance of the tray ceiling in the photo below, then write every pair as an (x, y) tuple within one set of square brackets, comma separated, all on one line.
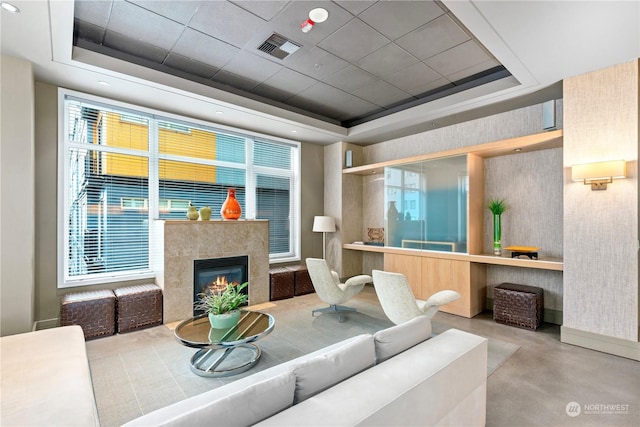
[(368, 60)]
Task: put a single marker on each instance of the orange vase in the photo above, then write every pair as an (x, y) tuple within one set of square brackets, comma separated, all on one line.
[(231, 208)]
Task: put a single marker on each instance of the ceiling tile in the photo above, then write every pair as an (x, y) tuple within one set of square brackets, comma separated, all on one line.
[(87, 31), (436, 84), (135, 47), (288, 22), (382, 93), (93, 12), (354, 41), (290, 81), (251, 67), (204, 48), (332, 102), (179, 11), (458, 58), (226, 21), (435, 37), (270, 92), (139, 24), (350, 78), (467, 72), (396, 18), (262, 8), (315, 63), (234, 80), (190, 66), (355, 6), (387, 60), (418, 75)]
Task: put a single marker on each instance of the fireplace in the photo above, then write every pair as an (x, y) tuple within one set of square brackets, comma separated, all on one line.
[(216, 273)]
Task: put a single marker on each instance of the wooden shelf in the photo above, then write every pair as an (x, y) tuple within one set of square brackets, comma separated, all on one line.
[(554, 264), (539, 141)]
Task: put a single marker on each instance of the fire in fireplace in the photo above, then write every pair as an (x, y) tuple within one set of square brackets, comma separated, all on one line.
[(216, 273)]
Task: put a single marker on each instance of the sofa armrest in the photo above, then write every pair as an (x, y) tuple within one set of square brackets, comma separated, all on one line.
[(46, 379)]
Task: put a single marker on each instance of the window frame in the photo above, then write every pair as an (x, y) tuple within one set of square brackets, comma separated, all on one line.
[(156, 118)]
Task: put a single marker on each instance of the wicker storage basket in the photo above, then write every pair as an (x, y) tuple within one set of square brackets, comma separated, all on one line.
[(281, 283), (94, 311), (139, 307), (302, 284), (518, 305)]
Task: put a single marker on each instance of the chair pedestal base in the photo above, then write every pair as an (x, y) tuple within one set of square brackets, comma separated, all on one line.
[(334, 308)]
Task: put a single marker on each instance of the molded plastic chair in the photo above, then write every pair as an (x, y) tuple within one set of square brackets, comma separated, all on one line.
[(398, 301), (328, 287)]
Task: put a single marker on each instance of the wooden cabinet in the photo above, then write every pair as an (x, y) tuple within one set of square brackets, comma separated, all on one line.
[(429, 275)]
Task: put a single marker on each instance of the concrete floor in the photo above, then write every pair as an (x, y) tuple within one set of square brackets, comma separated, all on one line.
[(533, 387)]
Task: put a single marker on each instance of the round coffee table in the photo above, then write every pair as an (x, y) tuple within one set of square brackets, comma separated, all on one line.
[(224, 352)]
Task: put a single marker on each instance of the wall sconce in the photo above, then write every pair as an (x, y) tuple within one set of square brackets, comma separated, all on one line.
[(599, 174)]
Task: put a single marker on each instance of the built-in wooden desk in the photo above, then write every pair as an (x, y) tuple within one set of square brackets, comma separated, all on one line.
[(432, 271)]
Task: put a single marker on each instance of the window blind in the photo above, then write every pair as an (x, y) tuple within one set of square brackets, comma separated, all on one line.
[(124, 168), (107, 170)]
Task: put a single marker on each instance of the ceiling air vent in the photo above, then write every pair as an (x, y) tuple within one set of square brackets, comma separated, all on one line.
[(278, 46)]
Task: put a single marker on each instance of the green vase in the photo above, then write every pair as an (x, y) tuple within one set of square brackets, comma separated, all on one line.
[(224, 321), (497, 235)]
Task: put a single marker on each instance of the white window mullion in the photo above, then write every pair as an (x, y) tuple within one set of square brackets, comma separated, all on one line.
[(250, 187)]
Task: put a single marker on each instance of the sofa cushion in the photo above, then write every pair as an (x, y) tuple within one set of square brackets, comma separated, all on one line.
[(241, 407), (397, 339), (321, 372)]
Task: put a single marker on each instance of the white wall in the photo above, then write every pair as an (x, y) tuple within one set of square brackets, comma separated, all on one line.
[(17, 196)]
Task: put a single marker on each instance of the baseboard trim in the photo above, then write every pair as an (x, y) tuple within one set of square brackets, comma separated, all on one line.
[(603, 343)]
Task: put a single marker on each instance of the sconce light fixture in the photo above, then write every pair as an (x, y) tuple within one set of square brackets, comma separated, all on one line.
[(599, 174)]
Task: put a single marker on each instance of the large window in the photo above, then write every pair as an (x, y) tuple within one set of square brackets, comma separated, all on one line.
[(123, 167)]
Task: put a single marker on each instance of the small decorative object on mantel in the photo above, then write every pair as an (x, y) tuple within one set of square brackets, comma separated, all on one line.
[(231, 208), (205, 213), (497, 208), (530, 252), (192, 212), (223, 307)]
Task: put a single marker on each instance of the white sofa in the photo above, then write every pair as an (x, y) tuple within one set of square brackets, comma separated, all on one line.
[(396, 377), (45, 379)]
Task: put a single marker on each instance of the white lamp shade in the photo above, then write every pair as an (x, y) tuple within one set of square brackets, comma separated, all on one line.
[(599, 170), (324, 224)]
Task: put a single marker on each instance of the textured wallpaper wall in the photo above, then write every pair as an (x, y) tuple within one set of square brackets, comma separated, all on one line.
[(601, 227)]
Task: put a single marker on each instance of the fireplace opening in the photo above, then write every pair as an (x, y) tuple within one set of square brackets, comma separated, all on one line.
[(216, 273)]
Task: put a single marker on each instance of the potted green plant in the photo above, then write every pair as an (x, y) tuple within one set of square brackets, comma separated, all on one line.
[(223, 306), (497, 208)]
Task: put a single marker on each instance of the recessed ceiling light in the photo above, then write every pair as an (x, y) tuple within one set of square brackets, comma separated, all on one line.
[(103, 83), (294, 131), (219, 112), (9, 7), (318, 15), (517, 150)]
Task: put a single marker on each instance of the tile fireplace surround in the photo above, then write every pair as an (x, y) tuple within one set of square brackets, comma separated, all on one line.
[(185, 241)]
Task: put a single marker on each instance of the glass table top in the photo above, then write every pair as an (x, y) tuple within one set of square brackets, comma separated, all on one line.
[(197, 331)]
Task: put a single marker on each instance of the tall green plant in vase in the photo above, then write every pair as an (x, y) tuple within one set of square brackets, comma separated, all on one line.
[(497, 208)]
